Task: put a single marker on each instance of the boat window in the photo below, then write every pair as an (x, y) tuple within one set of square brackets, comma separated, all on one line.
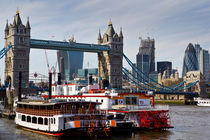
[(54, 120), (28, 118), (51, 120), (45, 121), (24, 106), (131, 100), (50, 107), (34, 120), (96, 100), (23, 118), (36, 107), (30, 106), (102, 101), (57, 106), (40, 120), (42, 107)]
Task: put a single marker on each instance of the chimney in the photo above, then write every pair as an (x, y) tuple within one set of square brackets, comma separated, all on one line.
[(50, 85)]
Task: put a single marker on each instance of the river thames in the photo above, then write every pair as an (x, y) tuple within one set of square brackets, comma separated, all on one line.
[(190, 123)]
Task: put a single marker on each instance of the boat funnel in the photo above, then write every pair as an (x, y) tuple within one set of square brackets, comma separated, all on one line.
[(50, 85), (90, 79), (59, 78)]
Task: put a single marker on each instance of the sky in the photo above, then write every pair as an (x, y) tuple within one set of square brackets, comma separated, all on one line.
[(172, 23)]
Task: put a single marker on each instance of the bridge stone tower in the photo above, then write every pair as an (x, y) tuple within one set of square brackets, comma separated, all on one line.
[(110, 63), (17, 58)]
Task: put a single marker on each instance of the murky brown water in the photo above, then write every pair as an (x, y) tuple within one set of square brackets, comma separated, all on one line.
[(190, 123)]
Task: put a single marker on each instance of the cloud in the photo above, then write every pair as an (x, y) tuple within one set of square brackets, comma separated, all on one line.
[(172, 23)]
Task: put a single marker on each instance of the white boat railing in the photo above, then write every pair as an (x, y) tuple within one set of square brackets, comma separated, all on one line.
[(148, 107)]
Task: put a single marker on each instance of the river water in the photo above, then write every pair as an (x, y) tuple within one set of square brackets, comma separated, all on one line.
[(190, 123)]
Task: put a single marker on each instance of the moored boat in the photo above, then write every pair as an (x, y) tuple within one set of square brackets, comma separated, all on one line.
[(202, 101), (136, 107), (62, 118)]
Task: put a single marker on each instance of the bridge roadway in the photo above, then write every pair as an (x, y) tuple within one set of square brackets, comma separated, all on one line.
[(194, 94), (67, 46)]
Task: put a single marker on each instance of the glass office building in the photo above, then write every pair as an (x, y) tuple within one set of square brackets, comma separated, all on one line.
[(190, 62), (69, 62)]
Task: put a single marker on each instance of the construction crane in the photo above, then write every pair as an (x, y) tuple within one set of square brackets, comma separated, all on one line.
[(53, 68)]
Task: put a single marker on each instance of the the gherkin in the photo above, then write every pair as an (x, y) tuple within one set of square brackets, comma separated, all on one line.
[(190, 62)]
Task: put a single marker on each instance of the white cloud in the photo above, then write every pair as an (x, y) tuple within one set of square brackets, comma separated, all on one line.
[(172, 23)]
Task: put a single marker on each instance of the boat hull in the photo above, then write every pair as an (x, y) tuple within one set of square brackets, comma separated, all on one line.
[(75, 132)]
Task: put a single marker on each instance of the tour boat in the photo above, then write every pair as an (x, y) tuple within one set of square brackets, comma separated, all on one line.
[(62, 118), (135, 107), (202, 101)]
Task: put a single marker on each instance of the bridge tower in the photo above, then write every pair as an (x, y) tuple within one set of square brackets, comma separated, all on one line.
[(110, 63), (17, 58)]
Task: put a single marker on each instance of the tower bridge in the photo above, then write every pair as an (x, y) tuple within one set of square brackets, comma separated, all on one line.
[(18, 43), (18, 38)]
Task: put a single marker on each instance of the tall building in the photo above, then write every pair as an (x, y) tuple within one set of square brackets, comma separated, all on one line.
[(164, 65), (203, 60), (69, 62), (205, 63), (110, 63), (75, 62), (190, 62), (197, 50), (145, 59)]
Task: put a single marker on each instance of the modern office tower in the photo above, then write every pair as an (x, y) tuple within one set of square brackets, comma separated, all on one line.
[(63, 65), (164, 65), (197, 50), (190, 62), (83, 73), (204, 63), (75, 62), (69, 62), (145, 59)]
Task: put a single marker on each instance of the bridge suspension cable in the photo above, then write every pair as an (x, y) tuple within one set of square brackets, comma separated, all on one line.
[(4, 51), (128, 75), (143, 78)]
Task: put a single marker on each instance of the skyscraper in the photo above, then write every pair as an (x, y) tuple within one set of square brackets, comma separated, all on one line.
[(69, 62), (190, 62), (145, 59), (204, 63)]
